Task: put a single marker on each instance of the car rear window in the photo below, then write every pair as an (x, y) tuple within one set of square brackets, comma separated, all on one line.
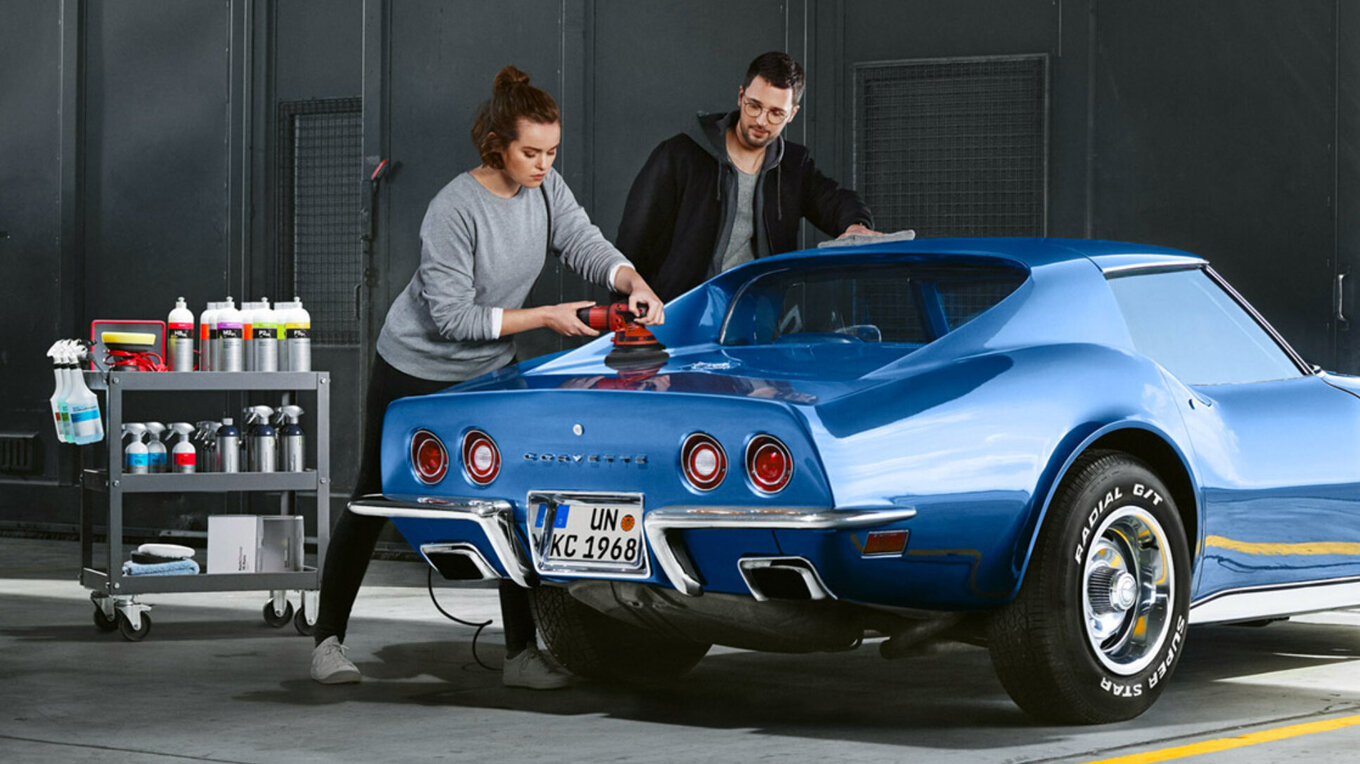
[(907, 304)]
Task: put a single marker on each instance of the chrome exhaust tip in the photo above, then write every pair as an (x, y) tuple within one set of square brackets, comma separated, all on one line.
[(459, 562), (783, 578)]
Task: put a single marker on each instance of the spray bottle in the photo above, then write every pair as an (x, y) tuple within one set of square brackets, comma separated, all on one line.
[(292, 442), (87, 425), (182, 454), (299, 337), (136, 461), (155, 448), (266, 349), (59, 417), (180, 326), (230, 337), (228, 447), (205, 440), (261, 446)]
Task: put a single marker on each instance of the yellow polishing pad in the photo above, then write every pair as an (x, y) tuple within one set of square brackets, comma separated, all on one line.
[(128, 338)]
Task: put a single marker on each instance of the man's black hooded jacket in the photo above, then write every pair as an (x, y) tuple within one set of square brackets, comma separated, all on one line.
[(681, 206)]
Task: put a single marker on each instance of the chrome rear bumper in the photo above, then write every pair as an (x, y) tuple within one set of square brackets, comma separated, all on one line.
[(495, 518)]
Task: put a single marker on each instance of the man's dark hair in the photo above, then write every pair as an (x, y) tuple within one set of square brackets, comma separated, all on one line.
[(779, 69)]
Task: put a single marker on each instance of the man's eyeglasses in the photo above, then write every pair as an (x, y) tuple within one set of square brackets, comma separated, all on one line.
[(754, 109)]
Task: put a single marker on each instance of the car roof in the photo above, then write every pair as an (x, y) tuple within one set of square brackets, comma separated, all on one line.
[(1109, 256)]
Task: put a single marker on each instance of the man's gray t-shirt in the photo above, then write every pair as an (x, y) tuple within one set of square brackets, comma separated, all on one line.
[(480, 251), (739, 247)]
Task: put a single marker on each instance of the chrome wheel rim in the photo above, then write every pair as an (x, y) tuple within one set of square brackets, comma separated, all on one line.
[(1128, 589)]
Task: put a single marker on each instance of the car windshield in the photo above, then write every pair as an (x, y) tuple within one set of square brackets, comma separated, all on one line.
[(898, 303)]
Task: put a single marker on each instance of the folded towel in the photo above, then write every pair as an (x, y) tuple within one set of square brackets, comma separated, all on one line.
[(173, 551), (176, 568)]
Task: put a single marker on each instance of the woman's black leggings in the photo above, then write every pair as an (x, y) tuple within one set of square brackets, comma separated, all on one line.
[(354, 536)]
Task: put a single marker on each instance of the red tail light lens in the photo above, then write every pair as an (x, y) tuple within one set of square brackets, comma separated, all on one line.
[(428, 457), (769, 464), (481, 458), (703, 461)]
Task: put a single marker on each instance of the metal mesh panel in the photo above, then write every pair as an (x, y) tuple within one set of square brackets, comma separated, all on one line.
[(954, 147), (320, 169)]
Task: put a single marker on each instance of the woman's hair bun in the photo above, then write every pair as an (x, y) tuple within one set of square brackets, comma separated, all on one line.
[(508, 77)]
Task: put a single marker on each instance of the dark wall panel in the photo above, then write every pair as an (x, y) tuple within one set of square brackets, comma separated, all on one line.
[(1214, 133), (32, 314), (700, 51), (156, 206), (893, 30), (318, 48)]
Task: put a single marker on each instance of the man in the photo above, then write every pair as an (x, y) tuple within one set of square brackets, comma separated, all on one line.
[(732, 189)]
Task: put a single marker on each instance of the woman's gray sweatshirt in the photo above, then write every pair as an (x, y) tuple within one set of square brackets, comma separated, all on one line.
[(480, 254)]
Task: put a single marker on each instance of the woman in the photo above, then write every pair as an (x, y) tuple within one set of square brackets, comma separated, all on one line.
[(483, 243)]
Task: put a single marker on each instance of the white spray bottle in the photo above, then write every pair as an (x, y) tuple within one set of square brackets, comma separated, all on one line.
[(60, 418), (292, 442), (183, 455), (136, 461), (86, 423), (155, 448)]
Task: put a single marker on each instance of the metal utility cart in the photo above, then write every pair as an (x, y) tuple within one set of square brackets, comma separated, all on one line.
[(113, 593)]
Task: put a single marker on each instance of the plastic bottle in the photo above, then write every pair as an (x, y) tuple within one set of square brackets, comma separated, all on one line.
[(247, 335), (266, 347), (183, 456), (207, 337), (262, 444), (155, 448), (292, 441), (228, 447), (59, 417), (230, 352), (299, 337), (136, 460), (86, 423), (180, 326)]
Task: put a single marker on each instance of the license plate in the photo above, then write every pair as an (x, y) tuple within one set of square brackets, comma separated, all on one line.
[(593, 533)]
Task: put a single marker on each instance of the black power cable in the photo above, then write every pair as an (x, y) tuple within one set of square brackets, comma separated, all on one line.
[(429, 585)]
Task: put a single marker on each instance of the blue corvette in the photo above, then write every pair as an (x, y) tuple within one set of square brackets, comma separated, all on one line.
[(1068, 451)]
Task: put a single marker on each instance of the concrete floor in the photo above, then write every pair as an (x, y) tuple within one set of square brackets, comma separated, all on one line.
[(213, 683)]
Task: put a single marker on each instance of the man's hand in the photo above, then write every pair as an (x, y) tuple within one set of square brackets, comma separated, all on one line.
[(562, 319), (859, 229)]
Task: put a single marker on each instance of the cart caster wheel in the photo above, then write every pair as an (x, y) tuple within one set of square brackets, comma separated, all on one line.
[(279, 620), (300, 623), (131, 634), (103, 622)]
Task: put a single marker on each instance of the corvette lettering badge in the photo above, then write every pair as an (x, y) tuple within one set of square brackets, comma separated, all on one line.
[(532, 456)]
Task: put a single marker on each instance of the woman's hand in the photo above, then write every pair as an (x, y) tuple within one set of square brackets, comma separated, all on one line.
[(562, 319), (642, 301)]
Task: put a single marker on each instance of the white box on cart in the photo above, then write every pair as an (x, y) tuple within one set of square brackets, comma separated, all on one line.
[(233, 543)]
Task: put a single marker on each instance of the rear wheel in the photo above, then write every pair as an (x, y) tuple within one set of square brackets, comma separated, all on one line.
[(1101, 617), (591, 644)]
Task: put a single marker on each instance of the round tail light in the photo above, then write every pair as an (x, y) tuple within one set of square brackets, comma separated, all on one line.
[(769, 464), (428, 457), (481, 458), (703, 461)]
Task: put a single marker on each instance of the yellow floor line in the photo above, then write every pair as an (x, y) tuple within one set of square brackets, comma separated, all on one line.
[(1228, 743)]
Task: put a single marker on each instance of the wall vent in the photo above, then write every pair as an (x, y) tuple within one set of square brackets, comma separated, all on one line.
[(954, 147), (319, 187), (20, 453)]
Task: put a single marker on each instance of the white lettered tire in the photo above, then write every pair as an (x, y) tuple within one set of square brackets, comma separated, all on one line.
[(1100, 620)]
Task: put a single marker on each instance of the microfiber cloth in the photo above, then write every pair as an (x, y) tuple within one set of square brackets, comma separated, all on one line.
[(856, 239), (176, 568)]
